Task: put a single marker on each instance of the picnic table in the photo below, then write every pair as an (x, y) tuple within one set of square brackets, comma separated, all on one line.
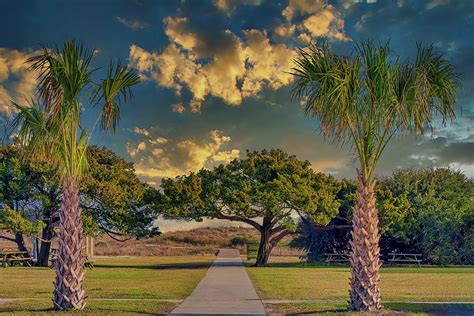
[(405, 258), (336, 258), (11, 258)]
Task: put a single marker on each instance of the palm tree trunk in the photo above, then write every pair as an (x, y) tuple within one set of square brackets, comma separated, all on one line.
[(365, 277), (69, 285)]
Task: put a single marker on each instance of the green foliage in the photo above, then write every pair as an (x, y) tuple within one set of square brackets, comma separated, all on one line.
[(369, 95), (265, 184), (90, 225), (238, 241), (439, 219), (429, 211), (13, 222), (111, 195), (114, 197)]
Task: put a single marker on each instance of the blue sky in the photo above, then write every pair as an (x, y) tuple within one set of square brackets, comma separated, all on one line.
[(215, 80)]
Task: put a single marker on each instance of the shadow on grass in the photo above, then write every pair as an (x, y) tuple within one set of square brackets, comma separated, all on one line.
[(433, 309), (390, 309), (164, 266), (297, 265)]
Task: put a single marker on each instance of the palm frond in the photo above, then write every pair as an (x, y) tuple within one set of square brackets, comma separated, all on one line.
[(114, 90), (370, 95)]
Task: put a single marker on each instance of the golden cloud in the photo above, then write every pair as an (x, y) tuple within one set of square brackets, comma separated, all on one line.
[(17, 82), (320, 19), (170, 159), (229, 67)]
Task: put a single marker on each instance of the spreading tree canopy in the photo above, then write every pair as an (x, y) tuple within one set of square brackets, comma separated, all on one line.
[(112, 197), (268, 190)]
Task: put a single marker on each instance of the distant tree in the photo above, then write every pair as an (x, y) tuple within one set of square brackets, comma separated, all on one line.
[(366, 98), (29, 188), (268, 190), (333, 238), (439, 218), (112, 197), (427, 211), (115, 198)]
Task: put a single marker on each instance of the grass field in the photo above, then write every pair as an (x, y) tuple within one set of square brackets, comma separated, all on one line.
[(293, 281), (115, 286), (152, 285)]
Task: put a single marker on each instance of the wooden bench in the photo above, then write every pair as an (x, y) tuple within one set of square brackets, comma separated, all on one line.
[(336, 258), (404, 258)]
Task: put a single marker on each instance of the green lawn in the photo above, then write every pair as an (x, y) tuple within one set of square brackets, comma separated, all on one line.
[(293, 281), (144, 285), (115, 286)]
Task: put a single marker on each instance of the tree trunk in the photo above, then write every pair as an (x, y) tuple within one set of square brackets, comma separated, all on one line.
[(20, 241), (265, 248), (365, 253), (45, 248), (69, 285)]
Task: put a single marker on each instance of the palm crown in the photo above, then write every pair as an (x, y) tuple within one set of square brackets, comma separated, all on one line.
[(371, 95), (51, 125)]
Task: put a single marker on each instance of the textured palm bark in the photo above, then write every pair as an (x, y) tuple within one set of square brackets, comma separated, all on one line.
[(69, 285), (365, 254)]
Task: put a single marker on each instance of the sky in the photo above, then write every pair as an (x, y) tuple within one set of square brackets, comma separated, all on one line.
[(215, 79)]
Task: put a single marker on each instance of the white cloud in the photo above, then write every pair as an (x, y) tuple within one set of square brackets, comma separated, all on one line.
[(231, 70), (17, 82), (467, 169), (435, 3), (132, 24)]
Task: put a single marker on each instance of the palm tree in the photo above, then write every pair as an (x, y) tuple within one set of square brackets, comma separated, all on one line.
[(51, 127), (366, 98)]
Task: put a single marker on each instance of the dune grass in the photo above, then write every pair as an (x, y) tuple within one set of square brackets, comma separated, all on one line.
[(115, 285)]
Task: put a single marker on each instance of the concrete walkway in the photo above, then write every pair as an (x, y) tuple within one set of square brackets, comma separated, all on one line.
[(225, 290)]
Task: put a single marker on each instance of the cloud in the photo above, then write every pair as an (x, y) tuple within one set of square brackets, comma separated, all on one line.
[(17, 82), (134, 150), (170, 159), (141, 131), (220, 65), (132, 24), (315, 18), (228, 6), (159, 141), (178, 107), (435, 3)]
